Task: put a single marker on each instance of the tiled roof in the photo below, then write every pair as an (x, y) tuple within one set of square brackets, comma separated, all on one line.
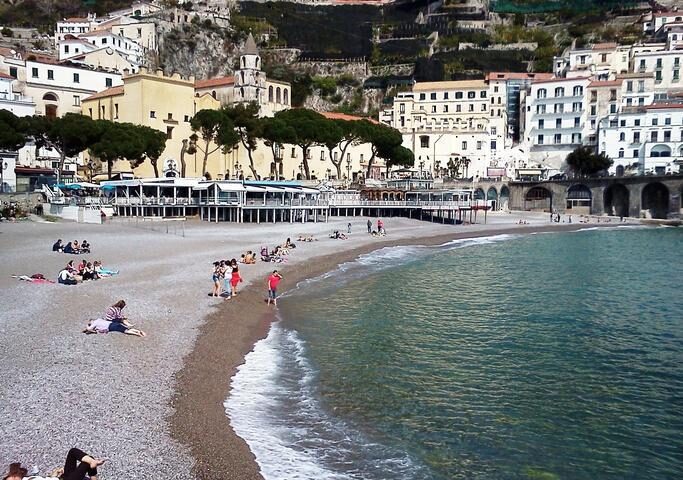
[(605, 46), (664, 106), (214, 82), (605, 83), (4, 75), (553, 80), (344, 116), (518, 76), (110, 92)]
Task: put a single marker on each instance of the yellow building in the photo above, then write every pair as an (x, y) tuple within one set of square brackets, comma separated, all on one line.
[(166, 104)]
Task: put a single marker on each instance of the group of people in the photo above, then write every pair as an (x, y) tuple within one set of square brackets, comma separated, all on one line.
[(114, 321), (248, 258), (73, 248), (84, 271), (277, 254), (226, 277), (380, 232)]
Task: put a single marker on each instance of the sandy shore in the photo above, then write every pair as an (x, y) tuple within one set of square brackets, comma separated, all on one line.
[(154, 406)]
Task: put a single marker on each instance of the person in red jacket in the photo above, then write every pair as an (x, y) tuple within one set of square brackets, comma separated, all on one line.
[(273, 281)]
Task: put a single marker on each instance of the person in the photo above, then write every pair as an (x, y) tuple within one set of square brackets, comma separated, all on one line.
[(289, 244), (100, 325), (78, 464), (235, 277), (69, 248), (57, 246), (273, 281), (380, 226), (89, 272), (115, 314), (369, 226), (216, 279), (103, 272), (76, 247), (103, 216), (348, 228), (250, 258), (65, 277), (85, 247)]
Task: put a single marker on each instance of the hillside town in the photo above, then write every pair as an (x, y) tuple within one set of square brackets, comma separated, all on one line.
[(621, 100)]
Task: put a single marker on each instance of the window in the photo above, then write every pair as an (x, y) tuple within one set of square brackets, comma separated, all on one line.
[(641, 101), (401, 107), (629, 86), (424, 141), (90, 111), (612, 95), (104, 42), (641, 66), (622, 137), (116, 110), (653, 136), (152, 114), (629, 102), (445, 95), (636, 137), (603, 57), (482, 94), (667, 121), (479, 145), (13, 72), (433, 108), (293, 155), (658, 76), (432, 96), (593, 124), (169, 133), (66, 49), (483, 107), (77, 78), (77, 101), (659, 63), (540, 140), (540, 109), (423, 96), (613, 108), (622, 123), (50, 75), (464, 145), (576, 107), (577, 122), (458, 108), (34, 72), (103, 112), (636, 122), (594, 96), (621, 153), (559, 107), (558, 123), (677, 75), (594, 110), (322, 155), (641, 86), (471, 94), (559, 92), (578, 91), (655, 121), (542, 93), (613, 122), (494, 131), (667, 135), (470, 107), (636, 153), (458, 95), (576, 138), (557, 139), (493, 144), (445, 109)]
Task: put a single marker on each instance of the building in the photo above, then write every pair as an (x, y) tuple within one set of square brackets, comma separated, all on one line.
[(556, 118), (105, 59), (602, 60), (74, 26), (126, 47), (18, 104), (654, 21), (604, 98), (220, 88), (644, 140), (444, 122), (662, 61)]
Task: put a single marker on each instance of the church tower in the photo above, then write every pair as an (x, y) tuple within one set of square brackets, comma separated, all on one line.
[(250, 81)]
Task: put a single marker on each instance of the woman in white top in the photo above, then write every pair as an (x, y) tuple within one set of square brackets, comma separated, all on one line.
[(78, 464)]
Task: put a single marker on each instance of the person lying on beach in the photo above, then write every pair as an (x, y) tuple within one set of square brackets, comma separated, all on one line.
[(85, 247), (78, 464), (308, 238), (35, 278), (273, 281), (337, 235), (103, 272), (57, 246), (100, 325)]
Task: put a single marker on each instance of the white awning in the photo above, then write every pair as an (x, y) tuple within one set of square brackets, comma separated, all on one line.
[(254, 188), (231, 187)]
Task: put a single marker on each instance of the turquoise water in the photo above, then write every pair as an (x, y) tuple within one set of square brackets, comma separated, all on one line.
[(550, 356)]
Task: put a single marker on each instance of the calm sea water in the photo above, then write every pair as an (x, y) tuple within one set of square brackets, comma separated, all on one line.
[(549, 356)]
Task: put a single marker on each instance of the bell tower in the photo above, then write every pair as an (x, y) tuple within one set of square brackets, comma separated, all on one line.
[(250, 81)]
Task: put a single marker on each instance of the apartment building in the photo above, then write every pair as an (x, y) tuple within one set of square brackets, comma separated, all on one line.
[(127, 48), (604, 98), (601, 60), (74, 26), (663, 62), (644, 140), (556, 118), (654, 21), (637, 89), (20, 105), (443, 121)]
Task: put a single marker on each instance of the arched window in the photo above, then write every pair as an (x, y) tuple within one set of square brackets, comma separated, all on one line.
[(270, 94), (622, 137), (285, 96), (241, 92), (578, 91), (542, 93), (559, 92), (213, 94), (50, 97), (244, 62), (621, 153), (257, 60), (277, 95), (242, 75)]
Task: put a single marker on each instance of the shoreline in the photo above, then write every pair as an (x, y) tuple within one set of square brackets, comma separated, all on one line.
[(199, 420)]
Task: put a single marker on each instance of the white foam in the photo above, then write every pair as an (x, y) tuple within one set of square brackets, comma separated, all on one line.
[(487, 240)]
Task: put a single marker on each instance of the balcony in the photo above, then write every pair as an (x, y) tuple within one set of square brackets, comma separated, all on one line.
[(15, 97)]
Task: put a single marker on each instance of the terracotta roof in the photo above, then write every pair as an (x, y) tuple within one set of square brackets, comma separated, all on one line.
[(553, 80), (605, 46), (668, 14), (4, 75), (605, 83), (214, 82), (426, 86), (663, 106), (110, 92), (517, 76), (344, 116)]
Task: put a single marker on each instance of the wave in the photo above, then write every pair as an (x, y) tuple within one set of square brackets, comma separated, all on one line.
[(471, 242), (274, 407)]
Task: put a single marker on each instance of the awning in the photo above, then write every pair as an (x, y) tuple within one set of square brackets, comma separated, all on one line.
[(231, 187)]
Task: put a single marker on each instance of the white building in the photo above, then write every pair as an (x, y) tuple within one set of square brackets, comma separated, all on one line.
[(663, 62), (98, 39), (602, 60), (555, 119), (18, 104), (453, 120), (74, 26), (644, 140), (653, 22)]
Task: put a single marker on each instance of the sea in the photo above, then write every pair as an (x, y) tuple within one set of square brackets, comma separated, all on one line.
[(534, 356)]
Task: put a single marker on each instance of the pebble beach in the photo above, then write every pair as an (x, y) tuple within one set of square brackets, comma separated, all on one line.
[(154, 406)]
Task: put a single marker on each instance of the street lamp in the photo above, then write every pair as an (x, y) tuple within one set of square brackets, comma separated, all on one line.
[(301, 169), (422, 163), (3, 166), (348, 171), (329, 173)]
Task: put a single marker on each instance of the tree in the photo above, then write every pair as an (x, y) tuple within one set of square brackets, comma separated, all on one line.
[(384, 140), (119, 141), (248, 127), (12, 136), (155, 144), (400, 157), (68, 135), (585, 161), (276, 132), (308, 126), (213, 126), (189, 148), (331, 136)]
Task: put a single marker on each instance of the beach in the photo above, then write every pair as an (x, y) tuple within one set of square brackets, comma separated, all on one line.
[(154, 406)]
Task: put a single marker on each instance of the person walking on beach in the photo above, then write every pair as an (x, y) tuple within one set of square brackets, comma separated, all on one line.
[(73, 470), (348, 228), (369, 226), (273, 281)]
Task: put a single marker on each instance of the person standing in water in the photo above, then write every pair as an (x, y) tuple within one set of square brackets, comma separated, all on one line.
[(273, 281)]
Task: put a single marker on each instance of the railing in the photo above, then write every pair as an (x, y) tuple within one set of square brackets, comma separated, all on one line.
[(178, 201)]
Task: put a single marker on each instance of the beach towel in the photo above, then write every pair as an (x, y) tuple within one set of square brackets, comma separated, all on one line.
[(32, 279)]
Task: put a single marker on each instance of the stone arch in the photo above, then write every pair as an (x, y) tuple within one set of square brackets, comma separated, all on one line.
[(278, 95), (51, 97), (579, 199), (213, 94), (270, 94), (620, 171), (616, 200), (538, 198), (492, 197), (479, 194), (285, 96), (504, 197), (660, 150), (655, 200)]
